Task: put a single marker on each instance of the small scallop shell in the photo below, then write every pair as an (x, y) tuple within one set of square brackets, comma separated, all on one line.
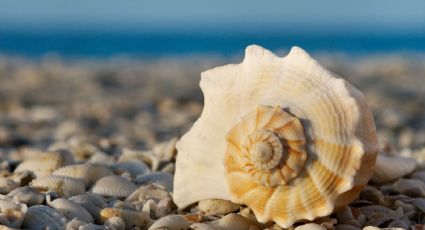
[(310, 226), (166, 151), (147, 192), (116, 223), (171, 222), (161, 178), (89, 173), (217, 207), (284, 136), (419, 175), (231, 221), (131, 218), (40, 217), (45, 164), (388, 168), (410, 187), (11, 212), (102, 159), (64, 186), (7, 185), (142, 156), (92, 203), (75, 224), (71, 210), (113, 186), (419, 203), (27, 195), (133, 167)]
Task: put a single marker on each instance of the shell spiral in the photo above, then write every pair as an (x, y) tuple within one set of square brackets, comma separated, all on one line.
[(268, 144), (283, 136)]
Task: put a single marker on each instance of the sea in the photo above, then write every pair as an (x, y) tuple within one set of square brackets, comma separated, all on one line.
[(73, 44)]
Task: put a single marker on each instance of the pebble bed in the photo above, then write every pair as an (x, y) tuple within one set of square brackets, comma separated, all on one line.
[(90, 144)]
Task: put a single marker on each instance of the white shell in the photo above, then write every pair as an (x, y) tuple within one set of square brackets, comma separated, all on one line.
[(40, 217), (7, 185), (116, 223), (64, 186), (146, 192), (217, 207), (71, 210), (12, 213), (310, 226), (89, 173), (142, 156), (165, 151), (131, 218), (27, 195), (161, 178), (171, 222), (113, 186), (389, 168), (336, 131), (133, 167), (44, 164), (92, 203), (231, 221)]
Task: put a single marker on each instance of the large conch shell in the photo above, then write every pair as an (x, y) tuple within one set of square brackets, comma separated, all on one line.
[(283, 136)]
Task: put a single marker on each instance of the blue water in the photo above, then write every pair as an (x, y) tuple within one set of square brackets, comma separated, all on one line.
[(101, 45)]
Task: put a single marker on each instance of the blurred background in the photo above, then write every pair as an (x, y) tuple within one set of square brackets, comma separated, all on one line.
[(128, 71)]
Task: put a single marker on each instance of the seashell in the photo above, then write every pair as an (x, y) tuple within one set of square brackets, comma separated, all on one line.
[(217, 207), (169, 168), (115, 186), (388, 168), (92, 227), (75, 224), (345, 216), (116, 223), (101, 158), (89, 173), (166, 151), (420, 175), (419, 203), (146, 192), (133, 167), (11, 212), (22, 178), (171, 222), (40, 217), (142, 156), (157, 209), (27, 195), (131, 218), (64, 186), (71, 210), (402, 224), (346, 227), (7, 185), (231, 221), (92, 203), (378, 215), (372, 194), (408, 209), (310, 226), (161, 178), (410, 187), (282, 135), (44, 164)]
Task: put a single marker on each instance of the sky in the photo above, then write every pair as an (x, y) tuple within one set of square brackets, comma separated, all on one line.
[(218, 15)]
